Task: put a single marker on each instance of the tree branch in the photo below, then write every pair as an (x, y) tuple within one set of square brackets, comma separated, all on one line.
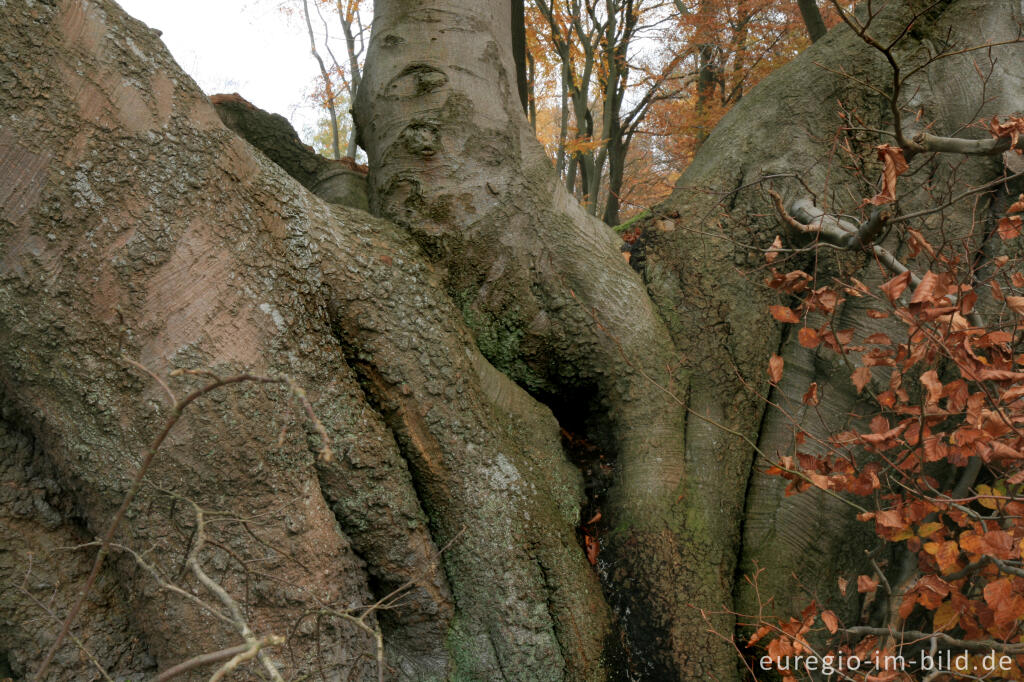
[(253, 646), (976, 645), (136, 485), (956, 145), (213, 657)]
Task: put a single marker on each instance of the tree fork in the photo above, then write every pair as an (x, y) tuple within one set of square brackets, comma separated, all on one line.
[(550, 300)]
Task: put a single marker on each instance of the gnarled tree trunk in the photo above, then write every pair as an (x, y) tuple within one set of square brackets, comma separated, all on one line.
[(440, 345)]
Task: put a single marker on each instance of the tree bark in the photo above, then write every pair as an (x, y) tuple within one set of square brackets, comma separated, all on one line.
[(454, 162), (519, 53), (441, 345), (811, 15)]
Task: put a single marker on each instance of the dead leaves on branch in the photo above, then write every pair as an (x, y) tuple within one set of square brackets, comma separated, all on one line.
[(947, 396), (947, 393), (1010, 225), (894, 166), (1012, 128), (895, 163)]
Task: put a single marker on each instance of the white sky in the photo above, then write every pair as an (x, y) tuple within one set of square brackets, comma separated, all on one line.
[(246, 46)]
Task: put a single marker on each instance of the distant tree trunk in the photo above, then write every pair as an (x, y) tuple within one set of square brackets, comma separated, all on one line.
[(707, 84), (812, 19), (328, 86), (354, 70), (519, 53), (563, 125), (531, 77), (617, 150)]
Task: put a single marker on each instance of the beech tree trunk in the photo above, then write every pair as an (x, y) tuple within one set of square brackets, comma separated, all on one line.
[(811, 15), (443, 345)]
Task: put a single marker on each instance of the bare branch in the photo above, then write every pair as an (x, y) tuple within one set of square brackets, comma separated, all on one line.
[(237, 618), (974, 645), (213, 657), (133, 491), (253, 649), (956, 145)]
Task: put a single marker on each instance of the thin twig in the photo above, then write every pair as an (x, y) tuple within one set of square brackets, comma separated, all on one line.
[(975, 645), (136, 485), (254, 648), (212, 657), (237, 618)]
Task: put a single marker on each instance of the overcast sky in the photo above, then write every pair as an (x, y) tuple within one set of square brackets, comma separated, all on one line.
[(244, 46)]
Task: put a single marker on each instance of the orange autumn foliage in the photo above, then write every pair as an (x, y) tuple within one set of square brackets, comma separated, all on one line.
[(938, 468)]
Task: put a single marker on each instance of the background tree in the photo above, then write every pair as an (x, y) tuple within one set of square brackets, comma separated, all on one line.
[(658, 70), (325, 76), (339, 80), (442, 345)]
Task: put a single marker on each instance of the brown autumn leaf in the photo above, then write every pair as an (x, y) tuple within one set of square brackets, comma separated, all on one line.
[(986, 374), (1016, 304), (895, 286), (866, 584), (1008, 228), (880, 431), (792, 282), (930, 289), (819, 480), (998, 591), (783, 314), (775, 365), (830, 621), (811, 396), (916, 242), (930, 380), (895, 165), (931, 590), (592, 548), (861, 376), (808, 337), (780, 649), (948, 556), (1017, 206), (761, 632), (1012, 128), (889, 518), (772, 253)]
